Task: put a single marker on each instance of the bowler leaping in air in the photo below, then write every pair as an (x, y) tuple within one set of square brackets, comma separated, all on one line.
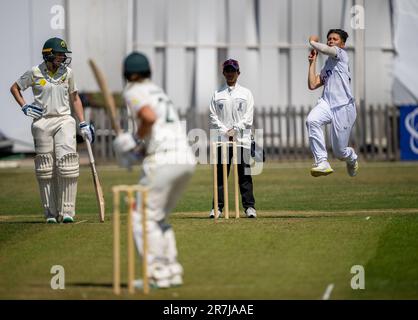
[(336, 106)]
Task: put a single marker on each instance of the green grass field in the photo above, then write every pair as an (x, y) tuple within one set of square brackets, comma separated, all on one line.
[(308, 234)]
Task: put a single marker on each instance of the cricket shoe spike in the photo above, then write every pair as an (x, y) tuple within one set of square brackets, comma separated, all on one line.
[(321, 169)]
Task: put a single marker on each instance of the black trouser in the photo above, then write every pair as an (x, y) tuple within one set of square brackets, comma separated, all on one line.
[(245, 181)]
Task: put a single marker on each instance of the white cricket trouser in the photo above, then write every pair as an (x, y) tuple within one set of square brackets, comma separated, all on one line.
[(55, 135), (165, 183), (342, 120)]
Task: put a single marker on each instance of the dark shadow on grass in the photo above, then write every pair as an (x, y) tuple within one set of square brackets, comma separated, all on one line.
[(85, 285), (261, 217), (297, 217), (91, 284), (23, 222), (51, 224), (191, 217)]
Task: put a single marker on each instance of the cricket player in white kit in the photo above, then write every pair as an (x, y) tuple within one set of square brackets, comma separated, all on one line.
[(336, 105), (167, 167), (54, 129)]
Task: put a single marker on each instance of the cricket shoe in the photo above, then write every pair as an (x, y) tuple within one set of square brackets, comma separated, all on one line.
[(159, 276), (321, 169), (251, 213), (67, 219), (352, 168), (176, 270), (212, 213), (139, 284), (51, 220)]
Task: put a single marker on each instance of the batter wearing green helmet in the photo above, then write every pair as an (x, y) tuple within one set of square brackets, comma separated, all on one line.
[(55, 51), (168, 164), (54, 129)]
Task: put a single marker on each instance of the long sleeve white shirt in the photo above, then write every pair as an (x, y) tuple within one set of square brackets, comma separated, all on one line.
[(232, 107), (335, 75)]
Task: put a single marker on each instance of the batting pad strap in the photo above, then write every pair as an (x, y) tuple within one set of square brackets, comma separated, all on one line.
[(44, 164), (68, 166)]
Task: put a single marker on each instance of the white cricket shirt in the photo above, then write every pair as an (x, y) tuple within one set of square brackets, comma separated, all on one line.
[(51, 91), (167, 132), (336, 78), (232, 107)]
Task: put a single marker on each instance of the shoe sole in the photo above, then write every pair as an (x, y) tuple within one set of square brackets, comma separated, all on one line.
[(321, 173), (67, 221)]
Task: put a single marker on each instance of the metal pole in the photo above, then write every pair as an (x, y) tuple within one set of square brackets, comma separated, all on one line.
[(359, 70)]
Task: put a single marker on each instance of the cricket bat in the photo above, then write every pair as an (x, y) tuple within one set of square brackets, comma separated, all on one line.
[(97, 184), (107, 95)]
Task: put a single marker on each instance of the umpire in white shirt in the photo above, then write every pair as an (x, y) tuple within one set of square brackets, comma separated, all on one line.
[(231, 116)]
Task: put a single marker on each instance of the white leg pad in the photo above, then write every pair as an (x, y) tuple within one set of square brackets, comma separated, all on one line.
[(155, 239), (158, 270), (170, 247), (68, 171), (44, 168), (175, 268)]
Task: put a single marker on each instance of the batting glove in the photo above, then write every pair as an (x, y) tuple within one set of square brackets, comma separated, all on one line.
[(231, 132), (32, 111), (87, 131), (128, 150), (123, 143)]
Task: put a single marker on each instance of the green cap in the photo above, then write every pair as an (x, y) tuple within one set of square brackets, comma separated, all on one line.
[(135, 63), (55, 45)]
